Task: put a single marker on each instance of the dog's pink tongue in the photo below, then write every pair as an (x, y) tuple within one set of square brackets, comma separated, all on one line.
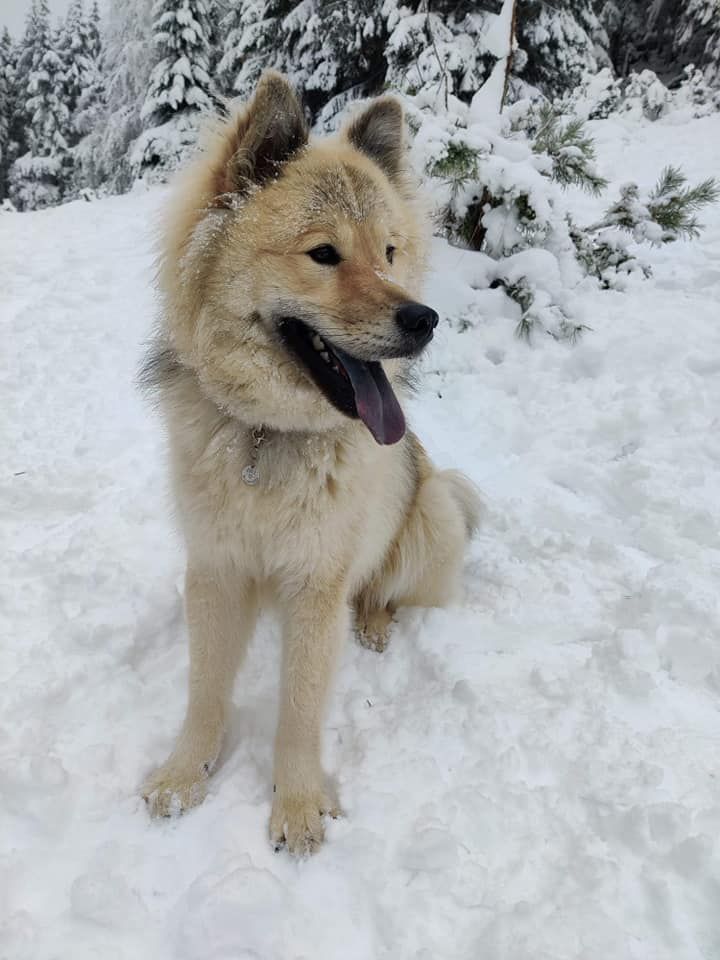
[(376, 403)]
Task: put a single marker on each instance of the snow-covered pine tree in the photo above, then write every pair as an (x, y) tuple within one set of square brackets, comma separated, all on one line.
[(37, 177), (17, 69), (79, 50), (252, 39), (93, 31), (73, 52), (125, 63), (452, 47), (180, 80), (7, 106), (180, 88), (446, 48), (88, 107), (625, 23), (25, 55), (335, 52), (665, 36), (215, 36), (28, 41), (697, 38), (560, 41)]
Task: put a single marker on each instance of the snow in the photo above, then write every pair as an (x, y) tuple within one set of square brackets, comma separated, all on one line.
[(486, 102), (529, 775), (499, 30)]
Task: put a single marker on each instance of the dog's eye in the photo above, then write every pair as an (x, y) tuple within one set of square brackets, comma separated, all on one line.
[(325, 254), (389, 253)]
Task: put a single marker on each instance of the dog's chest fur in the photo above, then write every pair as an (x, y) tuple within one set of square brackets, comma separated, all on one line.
[(322, 501)]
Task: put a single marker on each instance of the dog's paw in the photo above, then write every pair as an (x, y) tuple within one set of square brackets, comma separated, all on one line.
[(171, 791), (297, 822), (373, 630)]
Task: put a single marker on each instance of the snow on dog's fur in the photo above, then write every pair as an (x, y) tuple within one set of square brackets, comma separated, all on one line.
[(290, 276)]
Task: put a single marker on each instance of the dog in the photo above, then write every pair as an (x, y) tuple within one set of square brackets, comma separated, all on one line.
[(289, 277)]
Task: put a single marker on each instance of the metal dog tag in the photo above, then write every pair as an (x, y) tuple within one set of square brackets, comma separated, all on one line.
[(250, 474)]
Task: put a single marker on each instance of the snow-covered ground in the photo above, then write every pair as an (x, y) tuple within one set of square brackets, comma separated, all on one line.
[(532, 775)]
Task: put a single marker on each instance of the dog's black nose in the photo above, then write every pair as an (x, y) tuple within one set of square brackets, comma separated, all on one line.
[(416, 318)]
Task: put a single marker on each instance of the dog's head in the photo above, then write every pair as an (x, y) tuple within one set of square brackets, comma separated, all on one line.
[(291, 267)]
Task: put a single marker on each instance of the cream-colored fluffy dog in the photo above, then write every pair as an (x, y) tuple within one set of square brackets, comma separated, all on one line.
[(289, 276)]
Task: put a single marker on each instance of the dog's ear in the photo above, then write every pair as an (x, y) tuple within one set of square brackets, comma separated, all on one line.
[(379, 131), (269, 131)]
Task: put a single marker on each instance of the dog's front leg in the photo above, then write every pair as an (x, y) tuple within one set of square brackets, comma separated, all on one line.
[(221, 612), (317, 620)]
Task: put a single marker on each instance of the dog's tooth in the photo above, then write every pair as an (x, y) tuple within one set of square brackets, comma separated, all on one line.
[(317, 342), (326, 356)]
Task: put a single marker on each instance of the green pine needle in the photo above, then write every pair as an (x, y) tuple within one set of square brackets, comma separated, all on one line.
[(570, 149), (673, 205), (458, 166)]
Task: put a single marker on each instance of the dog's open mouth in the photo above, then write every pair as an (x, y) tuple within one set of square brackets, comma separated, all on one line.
[(358, 388)]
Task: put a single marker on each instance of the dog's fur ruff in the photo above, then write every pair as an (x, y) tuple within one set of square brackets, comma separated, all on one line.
[(337, 522)]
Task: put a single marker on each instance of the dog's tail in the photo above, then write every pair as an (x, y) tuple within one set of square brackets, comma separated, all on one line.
[(467, 497)]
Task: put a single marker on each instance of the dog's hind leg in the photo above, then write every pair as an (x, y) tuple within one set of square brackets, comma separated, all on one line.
[(423, 564), (372, 621), (221, 614)]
